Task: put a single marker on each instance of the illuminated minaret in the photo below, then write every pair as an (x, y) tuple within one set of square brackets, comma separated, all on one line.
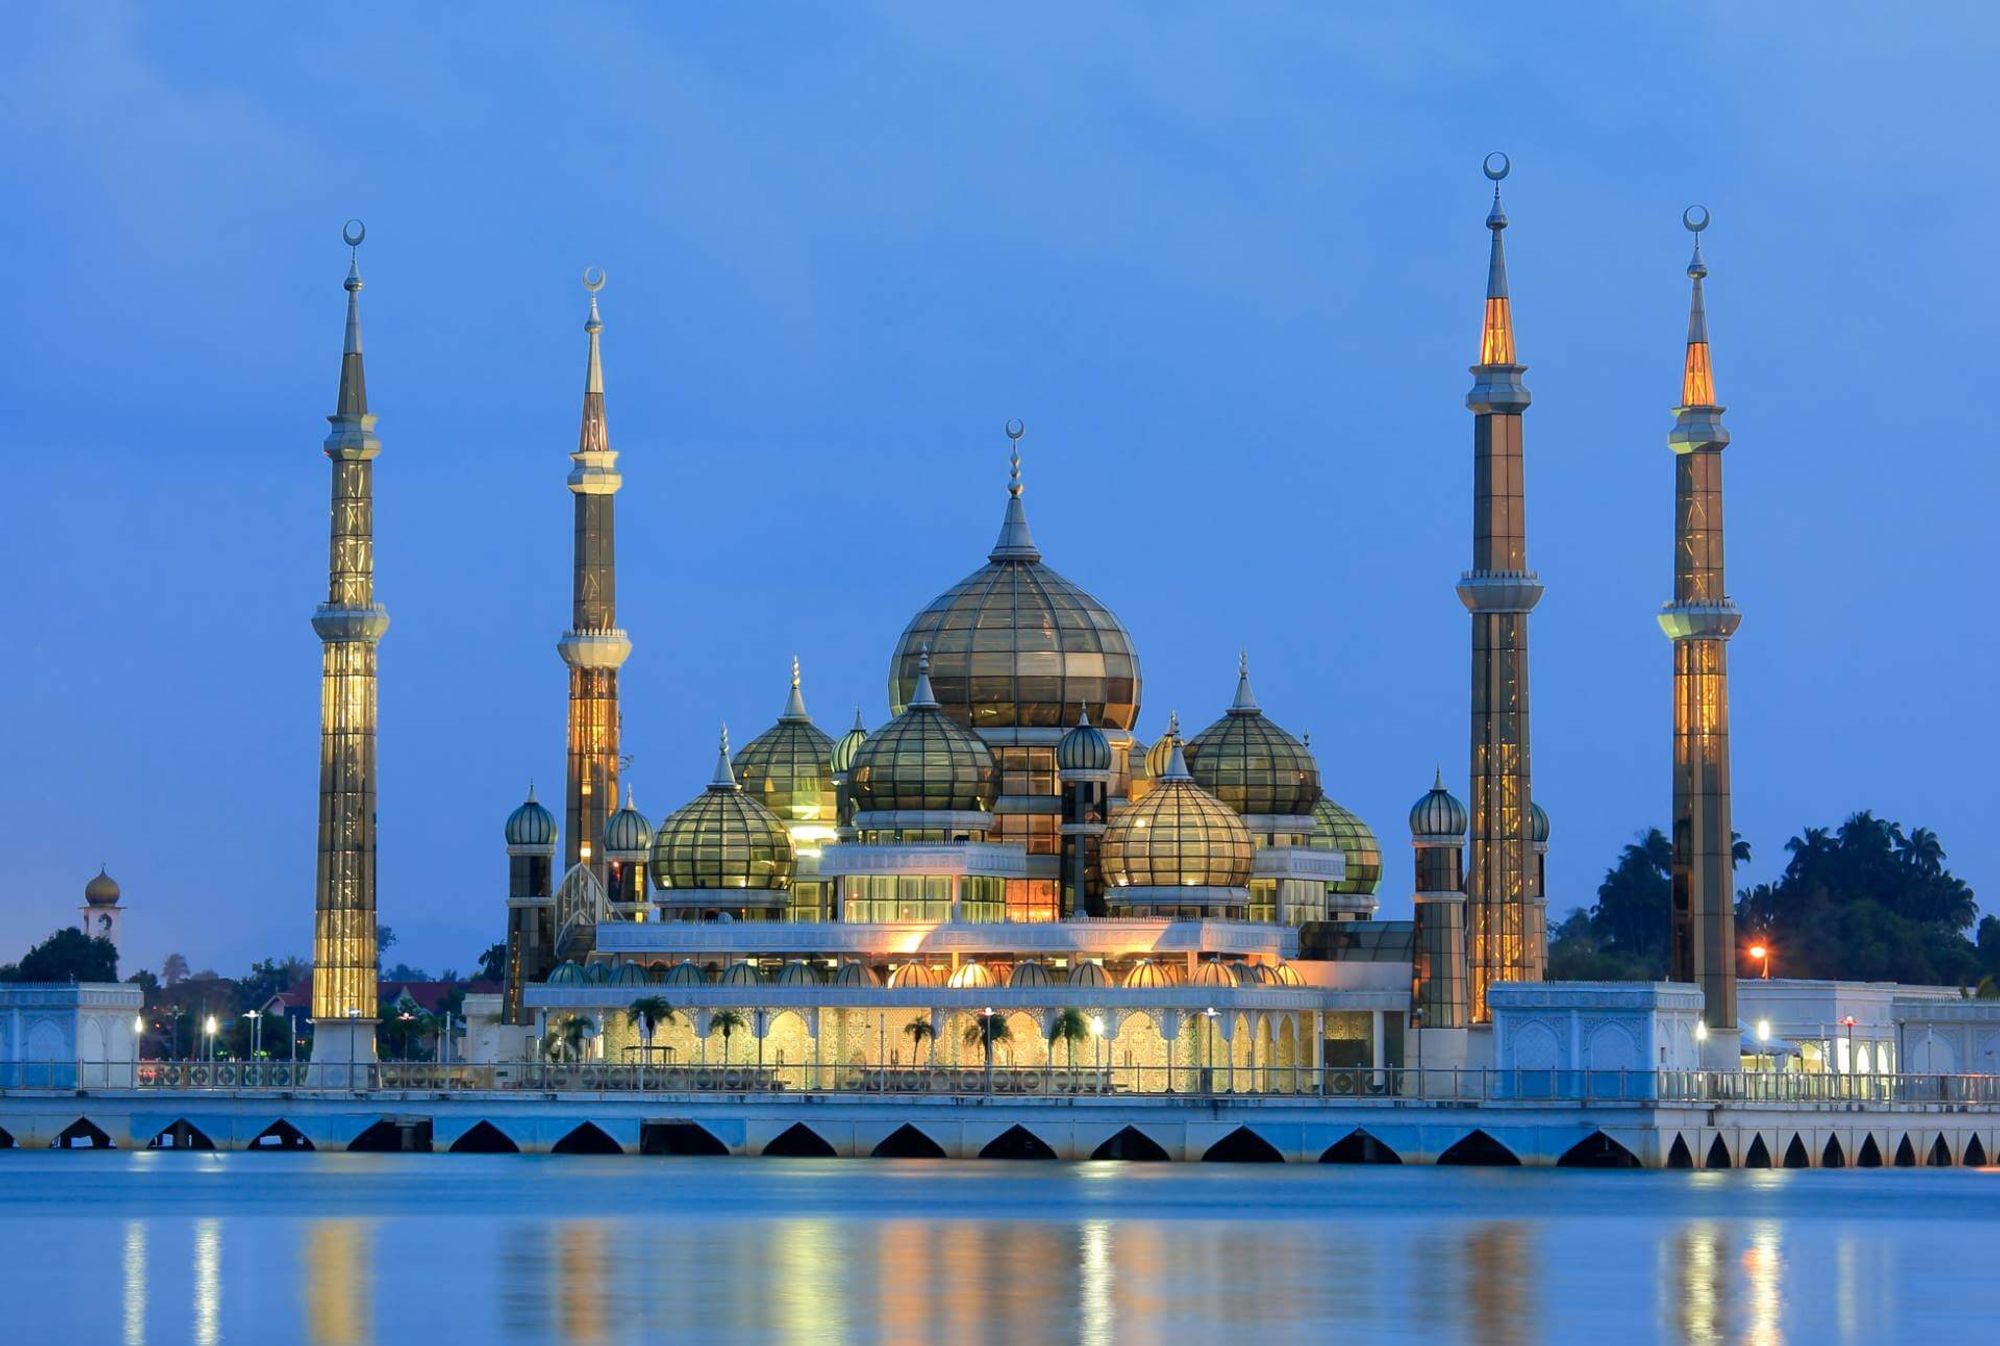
[(1700, 621), (349, 623), (593, 647), (1503, 923)]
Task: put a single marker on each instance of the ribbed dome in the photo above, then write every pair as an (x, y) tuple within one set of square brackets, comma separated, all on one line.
[(1149, 975), (740, 973), (1014, 644), (1089, 974), (852, 972), (1213, 972), (687, 972), (1028, 972), (798, 972), (101, 891), (972, 976), (1336, 829), (789, 767), (722, 839), (1539, 827), (849, 743), (913, 974), (1438, 813), (1083, 748), (627, 832), (1179, 835), (1162, 752), (923, 760), (1252, 765), (531, 825)]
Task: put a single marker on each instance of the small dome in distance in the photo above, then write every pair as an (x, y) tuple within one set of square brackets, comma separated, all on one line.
[(848, 744), (923, 761), (1438, 813), (1028, 972), (1083, 748), (626, 832), (101, 891), (1539, 828), (531, 825), (1089, 974)]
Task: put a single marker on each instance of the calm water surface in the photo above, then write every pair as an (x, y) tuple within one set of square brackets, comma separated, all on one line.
[(337, 1249)]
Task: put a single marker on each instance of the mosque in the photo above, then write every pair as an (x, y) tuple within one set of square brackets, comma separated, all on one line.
[(1004, 874)]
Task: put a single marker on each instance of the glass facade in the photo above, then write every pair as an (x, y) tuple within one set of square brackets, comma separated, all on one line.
[(1254, 766), (1336, 829), (723, 839), (1177, 836), (922, 762), (788, 769), (922, 897)]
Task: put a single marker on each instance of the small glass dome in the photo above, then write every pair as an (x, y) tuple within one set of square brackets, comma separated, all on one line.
[(848, 744), (789, 767), (722, 839), (627, 834), (1146, 975), (1252, 765), (923, 761), (798, 972), (566, 973), (1257, 974), (628, 974), (1539, 828), (854, 972), (596, 974), (531, 825), (1162, 751), (741, 974), (1015, 645), (1289, 975), (1028, 972), (1214, 972), (913, 974), (972, 975), (101, 891), (1438, 813), (1083, 748), (687, 972), (1089, 974), (1177, 836), (1336, 829)]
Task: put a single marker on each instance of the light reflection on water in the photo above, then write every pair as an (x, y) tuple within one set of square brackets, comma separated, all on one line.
[(341, 1250)]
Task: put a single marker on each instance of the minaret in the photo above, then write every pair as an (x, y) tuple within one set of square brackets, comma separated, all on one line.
[(1499, 591), (1700, 621), (593, 648), (1083, 766), (349, 623), (1437, 835), (531, 905)]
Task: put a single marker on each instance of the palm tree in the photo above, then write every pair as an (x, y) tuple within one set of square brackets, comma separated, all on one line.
[(985, 1030), (729, 1021), (1068, 1027), (566, 1038), (919, 1031), (647, 1013)]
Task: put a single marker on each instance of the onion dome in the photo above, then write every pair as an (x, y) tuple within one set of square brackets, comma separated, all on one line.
[(853, 972), (1178, 836), (626, 832), (1336, 829), (567, 973), (101, 891), (1089, 974), (848, 744), (531, 825), (1083, 748), (798, 972), (1438, 813), (722, 839), (1148, 975), (1213, 972), (1249, 763), (1289, 975), (1015, 645), (971, 976), (789, 767), (1028, 972), (1257, 974), (913, 974), (1539, 826), (923, 760), (740, 973), (1162, 752), (687, 972), (627, 974), (1135, 760)]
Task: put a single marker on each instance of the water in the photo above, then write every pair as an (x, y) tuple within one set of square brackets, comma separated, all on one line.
[(334, 1249)]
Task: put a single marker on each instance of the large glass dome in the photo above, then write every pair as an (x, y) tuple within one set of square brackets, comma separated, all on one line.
[(922, 761), (1015, 645), (1251, 764), (1337, 829), (722, 839), (789, 767), (1177, 836)]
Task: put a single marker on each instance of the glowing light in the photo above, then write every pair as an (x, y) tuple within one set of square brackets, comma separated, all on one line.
[(1097, 1025), (1700, 1031), (209, 1026), (1763, 1030)]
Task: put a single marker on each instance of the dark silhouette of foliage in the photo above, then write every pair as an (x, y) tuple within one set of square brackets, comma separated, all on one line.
[(68, 955)]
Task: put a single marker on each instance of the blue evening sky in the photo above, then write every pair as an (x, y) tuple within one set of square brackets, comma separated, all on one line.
[(1226, 262)]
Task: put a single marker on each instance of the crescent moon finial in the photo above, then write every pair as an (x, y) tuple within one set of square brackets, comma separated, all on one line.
[(1016, 428), (593, 278), (353, 232), (1493, 173), (1695, 219)]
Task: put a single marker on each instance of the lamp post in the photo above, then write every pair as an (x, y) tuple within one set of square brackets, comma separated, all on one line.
[(1097, 1041), (256, 1033), (208, 1028), (1211, 1014), (1762, 953), (1848, 1024), (406, 1019), (1764, 1042), (986, 1041)]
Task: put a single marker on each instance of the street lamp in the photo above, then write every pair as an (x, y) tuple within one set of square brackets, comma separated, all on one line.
[(1208, 1081), (1097, 1040), (1848, 1024), (256, 1032), (407, 1018), (208, 1027), (1762, 953)]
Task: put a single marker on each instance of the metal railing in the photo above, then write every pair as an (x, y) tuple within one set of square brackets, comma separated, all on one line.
[(1388, 1086)]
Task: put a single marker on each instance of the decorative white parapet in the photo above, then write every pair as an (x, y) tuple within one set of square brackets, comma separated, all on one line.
[(68, 1035)]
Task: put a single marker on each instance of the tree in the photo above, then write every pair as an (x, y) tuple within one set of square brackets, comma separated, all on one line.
[(986, 1029), (493, 963), (1068, 1027), (646, 1014), (267, 977), (919, 1031), (69, 955), (148, 984), (568, 1039), (729, 1021), (174, 970)]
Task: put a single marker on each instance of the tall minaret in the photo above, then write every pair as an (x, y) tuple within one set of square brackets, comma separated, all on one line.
[(1503, 939), (349, 624), (1700, 621), (593, 647)]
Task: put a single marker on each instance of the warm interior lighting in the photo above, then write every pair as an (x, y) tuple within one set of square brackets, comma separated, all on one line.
[(1697, 381), (1496, 343)]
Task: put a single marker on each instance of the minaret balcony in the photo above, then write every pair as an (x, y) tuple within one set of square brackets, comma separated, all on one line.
[(1700, 621), (1498, 389), (595, 473), (347, 626), (1697, 428), (606, 647), (1499, 590)]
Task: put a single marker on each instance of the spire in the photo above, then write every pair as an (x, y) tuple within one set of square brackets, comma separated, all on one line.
[(1496, 341), (860, 726), (795, 705), (595, 437), (353, 434), (1177, 767), (1698, 418), (1083, 717), (1246, 700), (923, 698), (531, 789), (1015, 542), (725, 775)]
